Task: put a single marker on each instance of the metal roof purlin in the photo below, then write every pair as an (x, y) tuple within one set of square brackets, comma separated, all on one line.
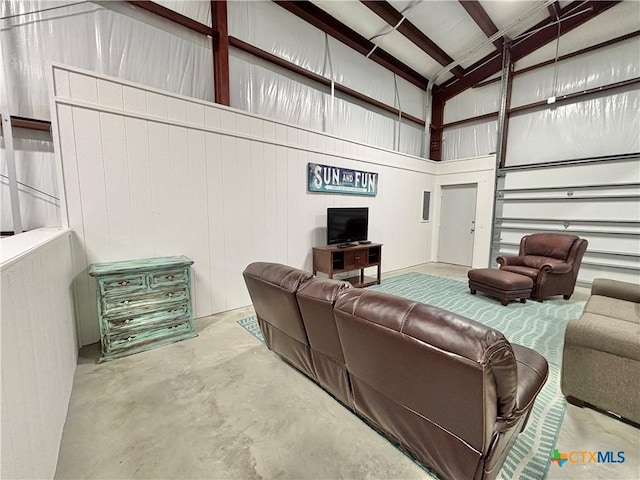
[(317, 17), (393, 17), (527, 44), (482, 19)]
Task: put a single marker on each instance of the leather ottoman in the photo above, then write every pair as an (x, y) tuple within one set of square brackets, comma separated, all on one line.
[(500, 284)]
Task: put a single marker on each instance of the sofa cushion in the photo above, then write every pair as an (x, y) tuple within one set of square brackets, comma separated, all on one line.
[(613, 307), (616, 289), (549, 245), (606, 334)]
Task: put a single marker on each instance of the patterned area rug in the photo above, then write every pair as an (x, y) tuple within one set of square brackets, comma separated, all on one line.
[(539, 326)]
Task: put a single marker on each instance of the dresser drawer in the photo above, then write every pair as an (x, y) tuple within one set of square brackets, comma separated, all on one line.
[(129, 323), (134, 341), (165, 278), (140, 303), (122, 284)]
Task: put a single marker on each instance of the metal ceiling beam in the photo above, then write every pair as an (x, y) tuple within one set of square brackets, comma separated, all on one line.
[(575, 14), (317, 17), (482, 19), (554, 9), (394, 18), (173, 16), (582, 51)]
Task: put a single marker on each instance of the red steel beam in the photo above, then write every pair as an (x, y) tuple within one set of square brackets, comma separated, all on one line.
[(173, 16), (613, 41), (576, 95), (317, 17), (30, 123), (435, 129), (390, 15), (482, 19), (554, 10), (579, 13), (542, 103), (220, 41)]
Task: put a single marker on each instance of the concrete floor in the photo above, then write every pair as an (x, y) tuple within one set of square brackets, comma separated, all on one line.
[(222, 406)]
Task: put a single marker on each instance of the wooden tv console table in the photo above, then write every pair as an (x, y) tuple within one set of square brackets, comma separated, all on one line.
[(331, 260)]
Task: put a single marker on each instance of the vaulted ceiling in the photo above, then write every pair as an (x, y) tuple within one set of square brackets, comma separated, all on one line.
[(457, 43)]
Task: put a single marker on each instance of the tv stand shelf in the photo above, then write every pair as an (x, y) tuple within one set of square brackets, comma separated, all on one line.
[(332, 260)]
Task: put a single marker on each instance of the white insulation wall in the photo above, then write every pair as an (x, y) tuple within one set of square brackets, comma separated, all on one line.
[(148, 173), (39, 350), (38, 185)]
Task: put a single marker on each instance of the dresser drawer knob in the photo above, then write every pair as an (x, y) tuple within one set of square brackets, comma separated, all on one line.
[(170, 277), (128, 320), (130, 338), (125, 302), (170, 294), (123, 283)]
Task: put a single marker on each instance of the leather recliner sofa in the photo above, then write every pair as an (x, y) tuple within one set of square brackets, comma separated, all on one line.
[(451, 392), (551, 260)]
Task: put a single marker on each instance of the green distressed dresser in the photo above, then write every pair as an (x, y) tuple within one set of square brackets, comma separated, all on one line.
[(143, 304)]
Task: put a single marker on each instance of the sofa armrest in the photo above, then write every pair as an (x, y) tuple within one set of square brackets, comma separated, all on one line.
[(533, 371), (504, 260), (616, 289)]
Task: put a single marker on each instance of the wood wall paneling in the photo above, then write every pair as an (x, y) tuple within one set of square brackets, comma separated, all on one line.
[(172, 175), (37, 323)]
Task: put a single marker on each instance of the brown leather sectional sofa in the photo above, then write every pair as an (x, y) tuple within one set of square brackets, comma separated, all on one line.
[(451, 392)]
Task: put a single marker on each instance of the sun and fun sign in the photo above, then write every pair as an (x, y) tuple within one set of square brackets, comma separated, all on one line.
[(330, 179)]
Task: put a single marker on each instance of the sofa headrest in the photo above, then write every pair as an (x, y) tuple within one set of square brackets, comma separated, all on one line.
[(283, 276), (554, 245), (315, 300), (272, 288), (440, 328)]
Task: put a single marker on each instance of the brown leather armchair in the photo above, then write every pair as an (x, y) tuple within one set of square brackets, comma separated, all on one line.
[(551, 260)]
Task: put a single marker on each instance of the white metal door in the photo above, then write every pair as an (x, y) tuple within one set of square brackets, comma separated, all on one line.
[(457, 224)]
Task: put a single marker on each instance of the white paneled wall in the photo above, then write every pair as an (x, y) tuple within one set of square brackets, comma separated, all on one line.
[(39, 350), (149, 173)]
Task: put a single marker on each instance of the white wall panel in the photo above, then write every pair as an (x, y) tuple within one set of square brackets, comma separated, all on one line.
[(598, 126), (220, 186), (39, 350), (469, 140), (615, 63), (111, 37), (36, 174), (473, 102)]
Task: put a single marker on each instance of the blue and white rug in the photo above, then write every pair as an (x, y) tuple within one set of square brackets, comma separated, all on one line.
[(539, 326)]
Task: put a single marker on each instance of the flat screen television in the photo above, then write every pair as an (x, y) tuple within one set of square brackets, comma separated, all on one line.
[(346, 225)]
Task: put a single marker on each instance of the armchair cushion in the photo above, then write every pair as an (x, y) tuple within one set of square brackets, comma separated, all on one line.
[(548, 245), (530, 272), (552, 264)]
